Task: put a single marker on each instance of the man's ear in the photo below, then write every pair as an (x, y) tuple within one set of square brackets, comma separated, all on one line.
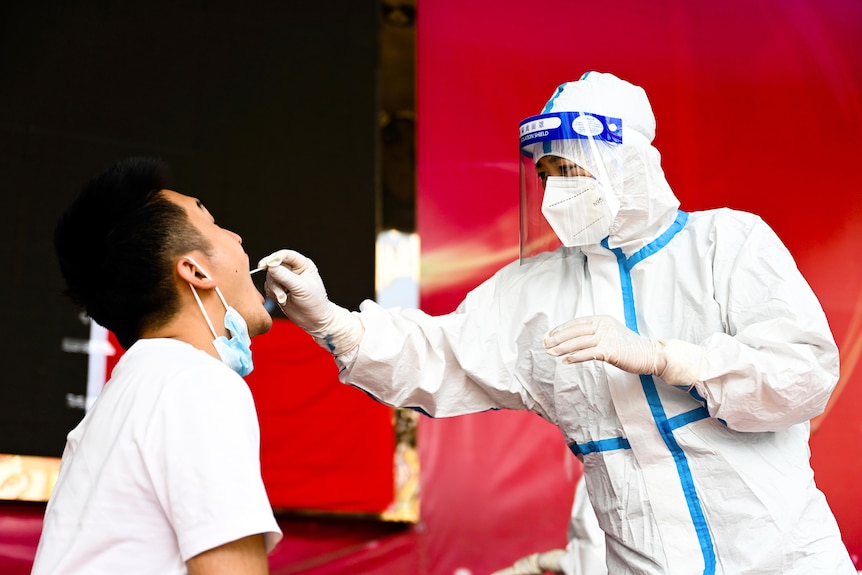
[(189, 271)]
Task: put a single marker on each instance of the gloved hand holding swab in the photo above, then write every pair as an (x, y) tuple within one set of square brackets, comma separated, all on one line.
[(272, 260)]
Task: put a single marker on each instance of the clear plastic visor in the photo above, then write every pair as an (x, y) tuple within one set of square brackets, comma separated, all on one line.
[(558, 145)]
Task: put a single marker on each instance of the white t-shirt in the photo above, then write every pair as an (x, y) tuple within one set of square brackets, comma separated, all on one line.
[(165, 466)]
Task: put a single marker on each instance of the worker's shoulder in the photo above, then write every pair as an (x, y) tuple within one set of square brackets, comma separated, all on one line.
[(536, 270), (724, 218)]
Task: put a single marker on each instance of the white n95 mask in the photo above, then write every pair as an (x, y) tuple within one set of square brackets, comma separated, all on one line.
[(578, 209)]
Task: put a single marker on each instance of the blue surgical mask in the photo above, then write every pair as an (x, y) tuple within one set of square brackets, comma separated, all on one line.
[(236, 351)]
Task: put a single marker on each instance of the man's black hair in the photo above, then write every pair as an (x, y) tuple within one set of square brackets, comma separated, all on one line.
[(117, 245)]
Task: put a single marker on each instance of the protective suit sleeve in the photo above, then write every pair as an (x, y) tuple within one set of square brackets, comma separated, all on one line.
[(443, 365), (777, 363)]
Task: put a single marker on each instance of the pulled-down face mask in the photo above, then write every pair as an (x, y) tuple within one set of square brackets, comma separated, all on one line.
[(236, 351)]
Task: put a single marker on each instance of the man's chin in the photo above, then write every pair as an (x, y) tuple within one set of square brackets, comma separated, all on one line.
[(263, 326)]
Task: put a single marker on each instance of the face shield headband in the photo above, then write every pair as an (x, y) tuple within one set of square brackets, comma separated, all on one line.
[(589, 141)]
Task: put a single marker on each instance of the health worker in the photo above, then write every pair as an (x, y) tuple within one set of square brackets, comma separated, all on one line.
[(680, 354)]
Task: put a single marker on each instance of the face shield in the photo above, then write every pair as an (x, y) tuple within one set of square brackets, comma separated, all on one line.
[(571, 174)]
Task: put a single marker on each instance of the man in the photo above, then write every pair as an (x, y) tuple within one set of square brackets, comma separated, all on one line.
[(162, 475), (682, 355)]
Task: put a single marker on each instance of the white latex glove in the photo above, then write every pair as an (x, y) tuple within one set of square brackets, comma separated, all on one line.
[(293, 281), (535, 564), (605, 339)]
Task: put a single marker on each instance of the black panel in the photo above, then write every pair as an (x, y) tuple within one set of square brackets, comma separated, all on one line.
[(267, 111)]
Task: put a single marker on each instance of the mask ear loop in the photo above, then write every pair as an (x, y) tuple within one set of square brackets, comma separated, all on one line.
[(221, 297), (203, 311), (198, 298)]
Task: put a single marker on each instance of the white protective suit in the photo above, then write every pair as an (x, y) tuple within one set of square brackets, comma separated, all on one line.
[(714, 478)]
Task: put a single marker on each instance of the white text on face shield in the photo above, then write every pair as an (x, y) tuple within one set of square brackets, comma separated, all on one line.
[(528, 137)]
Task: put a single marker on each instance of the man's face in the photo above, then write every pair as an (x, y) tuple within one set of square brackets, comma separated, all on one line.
[(227, 264)]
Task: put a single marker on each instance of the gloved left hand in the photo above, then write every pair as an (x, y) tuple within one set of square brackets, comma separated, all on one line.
[(605, 339), (535, 564)]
